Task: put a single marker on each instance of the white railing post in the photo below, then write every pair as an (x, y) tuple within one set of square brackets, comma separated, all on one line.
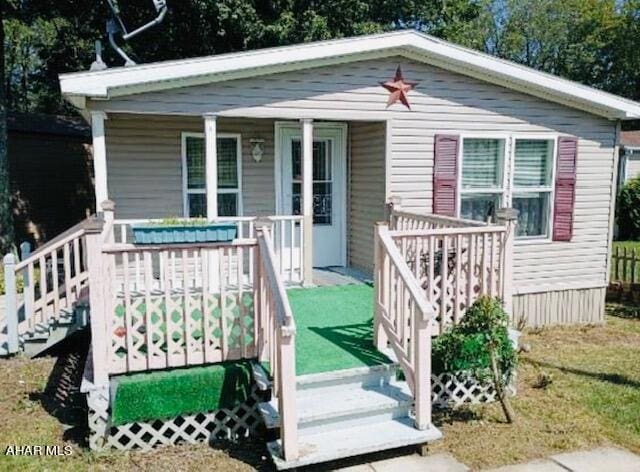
[(422, 335), (25, 251), (11, 302), (509, 218), (394, 204), (99, 341), (380, 339), (108, 208), (288, 414)]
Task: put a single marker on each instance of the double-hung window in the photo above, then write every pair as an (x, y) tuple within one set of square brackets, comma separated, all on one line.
[(533, 186), (491, 177), (482, 189), (229, 175)]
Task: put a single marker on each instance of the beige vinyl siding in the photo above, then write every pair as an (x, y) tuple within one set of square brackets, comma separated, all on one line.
[(366, 190), (144, 166), (443, 102), (585, 306)]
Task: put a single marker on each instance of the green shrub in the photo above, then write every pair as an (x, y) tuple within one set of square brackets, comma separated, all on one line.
[(465, 347), (628, 210)]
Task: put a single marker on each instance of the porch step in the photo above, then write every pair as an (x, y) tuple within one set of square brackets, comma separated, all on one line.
[(349, 406), (346, 413), (339, 443), (47, 335)]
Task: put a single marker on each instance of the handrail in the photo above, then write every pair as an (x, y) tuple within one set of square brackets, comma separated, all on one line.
[(430, 217), (284, 313), (56, 243), (127, 247), (447, 231), (276, 340), (403, 322), (413, 286)]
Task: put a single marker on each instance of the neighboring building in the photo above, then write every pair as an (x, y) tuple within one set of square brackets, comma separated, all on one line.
[(629, 166), (51, 169)]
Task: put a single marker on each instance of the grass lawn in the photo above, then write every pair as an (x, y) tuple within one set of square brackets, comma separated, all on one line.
[(627, 244), (593, 399)]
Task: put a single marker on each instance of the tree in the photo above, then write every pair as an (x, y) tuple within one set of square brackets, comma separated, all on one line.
[(6, 220)]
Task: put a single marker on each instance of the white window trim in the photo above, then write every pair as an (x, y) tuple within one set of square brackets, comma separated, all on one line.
[(500, 191), (508, 165), (551, 188), (186, 191)]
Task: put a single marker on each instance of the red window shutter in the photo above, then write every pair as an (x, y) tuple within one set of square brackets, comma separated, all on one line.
[(564, 203), (445, 175)]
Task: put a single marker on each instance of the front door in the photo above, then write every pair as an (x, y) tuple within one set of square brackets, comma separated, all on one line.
[(329, 178)]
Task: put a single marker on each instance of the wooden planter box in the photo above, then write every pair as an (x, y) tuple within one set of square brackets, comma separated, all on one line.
[(176, 234)]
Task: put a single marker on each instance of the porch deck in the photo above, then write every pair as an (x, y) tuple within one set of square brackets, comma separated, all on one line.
[(334, 328)]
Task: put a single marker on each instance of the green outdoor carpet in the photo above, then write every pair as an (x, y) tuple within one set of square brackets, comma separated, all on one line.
[(167, 394), (334, 328)]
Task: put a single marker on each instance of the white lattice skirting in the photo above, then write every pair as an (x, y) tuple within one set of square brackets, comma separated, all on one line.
[(451, 390), (242, 421)]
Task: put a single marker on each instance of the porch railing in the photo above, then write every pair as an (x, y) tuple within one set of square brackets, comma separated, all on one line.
[(53, 279), (286, 231), (402, 321), (172, 305), (177, 305), (276, 341), (455, 261)]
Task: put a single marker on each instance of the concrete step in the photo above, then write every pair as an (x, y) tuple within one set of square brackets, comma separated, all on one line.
[(357, 378), (338, 443), (349, 406)]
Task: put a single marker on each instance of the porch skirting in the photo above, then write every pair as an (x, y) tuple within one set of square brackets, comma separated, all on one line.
[(576, 306), (240, 422)]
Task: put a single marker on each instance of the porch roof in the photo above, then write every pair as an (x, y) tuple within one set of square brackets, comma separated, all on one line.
[(77, 87)]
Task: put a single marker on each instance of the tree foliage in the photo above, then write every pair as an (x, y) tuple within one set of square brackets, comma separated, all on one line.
[(628, 211)]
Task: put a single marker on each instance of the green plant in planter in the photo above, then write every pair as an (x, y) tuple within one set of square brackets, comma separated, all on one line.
[(480, 345), (175, 221)]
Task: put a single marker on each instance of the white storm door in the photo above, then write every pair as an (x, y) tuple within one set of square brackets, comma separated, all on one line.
[(329, 201)]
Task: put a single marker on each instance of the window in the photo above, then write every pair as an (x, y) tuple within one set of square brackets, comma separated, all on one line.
[(532, 186), (229, 171), (322, 181), (530, 189), (482, 190)]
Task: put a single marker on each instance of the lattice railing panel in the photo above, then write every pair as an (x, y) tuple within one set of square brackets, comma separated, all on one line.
[(154, 335)]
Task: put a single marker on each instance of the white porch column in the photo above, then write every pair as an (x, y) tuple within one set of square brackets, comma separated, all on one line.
[(211, 164), (307, 198), (99, 157)]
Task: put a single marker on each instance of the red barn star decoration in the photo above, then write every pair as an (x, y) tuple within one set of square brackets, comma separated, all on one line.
[(399, 87)]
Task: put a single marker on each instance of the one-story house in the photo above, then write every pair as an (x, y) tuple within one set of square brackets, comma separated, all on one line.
[(441, 173), (520, 138)]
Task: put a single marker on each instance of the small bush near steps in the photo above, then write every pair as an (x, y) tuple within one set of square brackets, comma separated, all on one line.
[(480, 345)]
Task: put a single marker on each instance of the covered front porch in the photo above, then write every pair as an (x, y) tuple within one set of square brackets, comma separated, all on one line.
[(158, 167)]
